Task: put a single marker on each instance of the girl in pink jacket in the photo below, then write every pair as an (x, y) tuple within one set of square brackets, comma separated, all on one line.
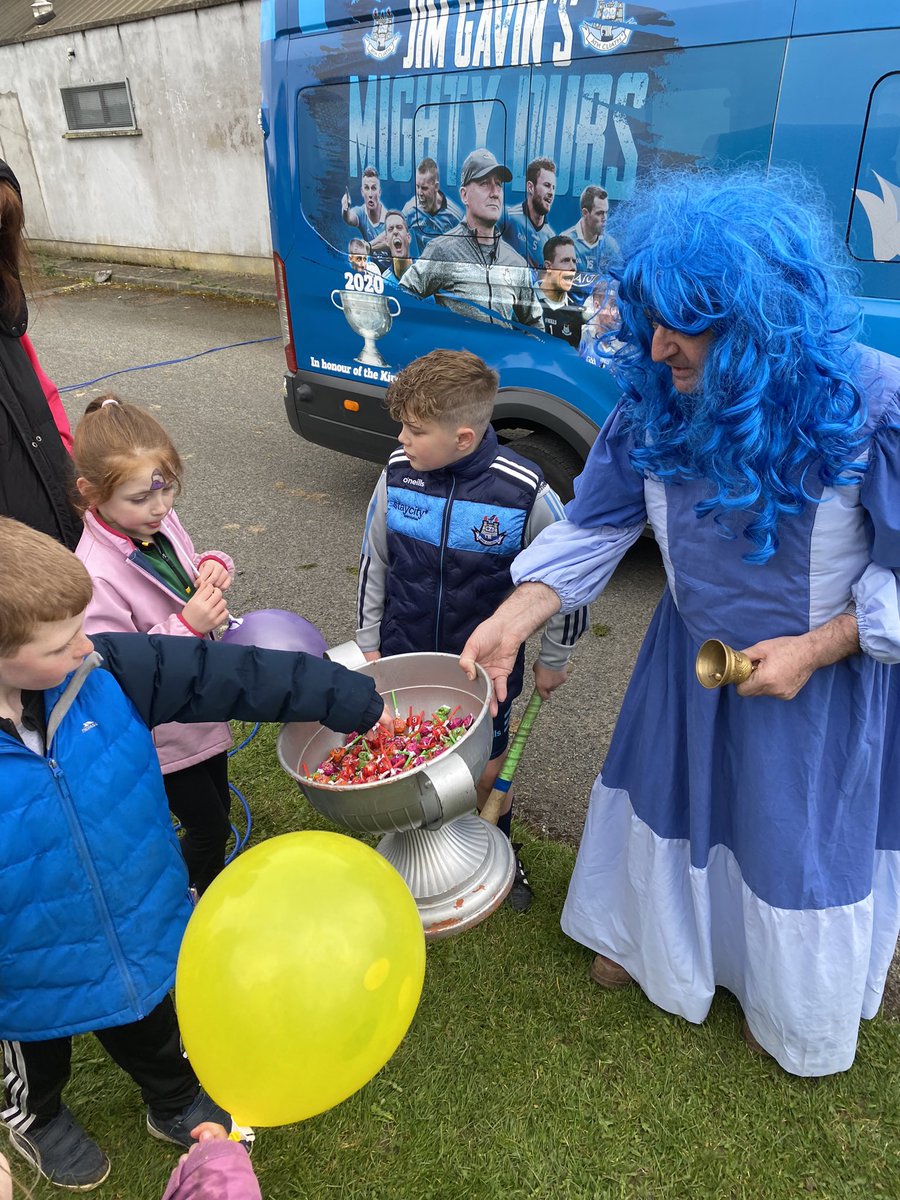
[(148, 579)]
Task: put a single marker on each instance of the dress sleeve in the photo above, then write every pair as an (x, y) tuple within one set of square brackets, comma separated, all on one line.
[(576, 557), (877, 592), (562, 630)]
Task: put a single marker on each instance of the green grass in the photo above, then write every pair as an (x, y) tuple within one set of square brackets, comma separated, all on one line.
[(520, 1079)]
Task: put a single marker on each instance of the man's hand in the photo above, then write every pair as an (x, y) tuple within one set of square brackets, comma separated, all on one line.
[(492, 646), (783, 665), (211, 571), (547, 681), (371, 655), (495, 642)]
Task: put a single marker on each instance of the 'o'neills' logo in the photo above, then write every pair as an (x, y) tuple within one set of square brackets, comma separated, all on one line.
[(489, 534), (612, 33), (382, 42)]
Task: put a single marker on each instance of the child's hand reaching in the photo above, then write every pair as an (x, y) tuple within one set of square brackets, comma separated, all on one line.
[(212, 571), (206, 610), (209, 1131)]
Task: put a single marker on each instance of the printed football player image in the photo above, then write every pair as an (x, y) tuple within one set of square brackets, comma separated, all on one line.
[(429, 213), (563, 317), (527, 229), (471, 269)]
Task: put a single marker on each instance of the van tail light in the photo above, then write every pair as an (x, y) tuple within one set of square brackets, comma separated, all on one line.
[(284, 313)]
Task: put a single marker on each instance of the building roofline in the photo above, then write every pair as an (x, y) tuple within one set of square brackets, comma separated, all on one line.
[(56, 29)]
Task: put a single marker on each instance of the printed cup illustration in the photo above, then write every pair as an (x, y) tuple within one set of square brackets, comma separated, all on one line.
[(370, 316)]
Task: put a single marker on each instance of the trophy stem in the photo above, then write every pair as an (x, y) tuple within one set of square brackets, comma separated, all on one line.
[(370, 353), (458, 873)]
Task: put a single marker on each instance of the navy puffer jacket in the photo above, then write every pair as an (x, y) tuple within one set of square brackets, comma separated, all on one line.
[(452, 535)]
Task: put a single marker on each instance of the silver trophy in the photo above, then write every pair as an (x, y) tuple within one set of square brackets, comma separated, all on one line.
[(458, 867), (370, 316)]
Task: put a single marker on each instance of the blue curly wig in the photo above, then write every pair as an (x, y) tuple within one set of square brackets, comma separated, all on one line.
[(754, 259)]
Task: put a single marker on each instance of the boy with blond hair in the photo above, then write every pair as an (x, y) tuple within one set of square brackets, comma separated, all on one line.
[(450, 512), (93, 888)]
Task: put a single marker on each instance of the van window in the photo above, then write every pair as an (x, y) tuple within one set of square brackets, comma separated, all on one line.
[(875, 216), (600, 121)]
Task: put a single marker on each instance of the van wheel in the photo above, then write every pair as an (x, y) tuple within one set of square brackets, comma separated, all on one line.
[(556, 458)]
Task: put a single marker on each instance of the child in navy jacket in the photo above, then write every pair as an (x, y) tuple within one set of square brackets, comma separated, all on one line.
[(449, 514)]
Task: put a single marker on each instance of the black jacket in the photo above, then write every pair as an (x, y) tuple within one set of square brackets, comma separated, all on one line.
[(191, 679), (36, 473)]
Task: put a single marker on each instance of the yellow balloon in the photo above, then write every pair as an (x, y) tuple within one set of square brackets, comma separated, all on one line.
[(299, 974)]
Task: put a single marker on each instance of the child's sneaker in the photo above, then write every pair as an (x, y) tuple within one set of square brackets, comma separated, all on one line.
[(177, 1129), (520, 894), (63, 1153)]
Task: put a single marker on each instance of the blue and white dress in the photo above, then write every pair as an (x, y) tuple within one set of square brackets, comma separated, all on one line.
[(748, 843)]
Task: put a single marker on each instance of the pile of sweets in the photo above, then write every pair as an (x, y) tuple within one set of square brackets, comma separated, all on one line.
[(371, 757)]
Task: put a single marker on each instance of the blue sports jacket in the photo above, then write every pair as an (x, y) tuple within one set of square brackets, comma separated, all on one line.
[(93, 889)]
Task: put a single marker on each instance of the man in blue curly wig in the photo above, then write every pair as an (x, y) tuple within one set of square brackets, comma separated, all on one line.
[(746, 837)]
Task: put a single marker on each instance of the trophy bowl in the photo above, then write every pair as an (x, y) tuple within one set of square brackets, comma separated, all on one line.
[(425, 796), (370, 316), (458, 867)]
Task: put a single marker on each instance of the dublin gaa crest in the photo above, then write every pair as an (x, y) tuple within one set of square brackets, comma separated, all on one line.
[(489, 534), (605, 37), (382, 42)]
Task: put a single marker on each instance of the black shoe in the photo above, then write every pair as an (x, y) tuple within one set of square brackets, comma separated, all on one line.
[(177, 1129), (520, 894), (63, 1153)]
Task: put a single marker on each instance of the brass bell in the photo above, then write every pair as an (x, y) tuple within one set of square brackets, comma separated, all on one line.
[(718, 664)]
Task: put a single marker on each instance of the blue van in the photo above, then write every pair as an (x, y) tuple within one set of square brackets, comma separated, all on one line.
[(440, 173)]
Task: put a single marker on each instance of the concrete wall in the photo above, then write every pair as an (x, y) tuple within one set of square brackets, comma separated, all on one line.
[(190, 190)]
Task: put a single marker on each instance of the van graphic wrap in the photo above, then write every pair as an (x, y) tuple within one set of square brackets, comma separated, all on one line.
[(371, 110)]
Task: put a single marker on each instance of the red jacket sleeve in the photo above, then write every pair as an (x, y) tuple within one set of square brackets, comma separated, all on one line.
[(60, 420)]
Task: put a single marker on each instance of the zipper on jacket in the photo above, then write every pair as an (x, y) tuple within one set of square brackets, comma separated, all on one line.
[(143, 563), (94, 879), (445, 525)]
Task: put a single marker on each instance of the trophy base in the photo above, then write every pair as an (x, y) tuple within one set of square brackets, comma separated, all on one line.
[(458, 873), (370, 355)]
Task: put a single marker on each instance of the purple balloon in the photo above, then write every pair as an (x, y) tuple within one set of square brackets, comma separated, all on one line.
[(276, 629)]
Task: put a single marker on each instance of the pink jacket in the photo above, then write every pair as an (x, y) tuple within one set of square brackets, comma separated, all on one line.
[(214, 1171), (129, 598)]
